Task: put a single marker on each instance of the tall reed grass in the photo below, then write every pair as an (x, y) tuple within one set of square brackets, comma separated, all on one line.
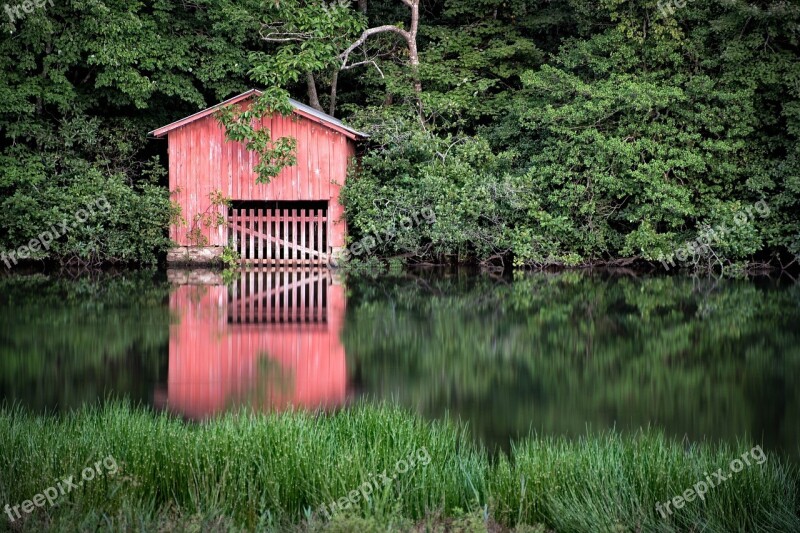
[(273, 472)]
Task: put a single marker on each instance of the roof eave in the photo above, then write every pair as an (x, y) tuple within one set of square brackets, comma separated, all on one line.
[(163, 130), (347, 133)]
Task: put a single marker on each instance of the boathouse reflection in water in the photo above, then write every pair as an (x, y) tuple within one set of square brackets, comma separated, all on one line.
[(269, 341)]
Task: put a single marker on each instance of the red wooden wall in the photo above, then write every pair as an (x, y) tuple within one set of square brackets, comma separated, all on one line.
[(201, 161)]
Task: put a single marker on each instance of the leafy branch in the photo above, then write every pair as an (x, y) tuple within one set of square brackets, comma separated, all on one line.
[(244, 124)]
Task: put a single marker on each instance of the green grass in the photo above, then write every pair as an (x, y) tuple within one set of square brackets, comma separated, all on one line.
[(272, 472)]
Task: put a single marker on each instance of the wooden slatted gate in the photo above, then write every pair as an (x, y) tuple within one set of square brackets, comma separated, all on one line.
[(280, 233), (279, 296)]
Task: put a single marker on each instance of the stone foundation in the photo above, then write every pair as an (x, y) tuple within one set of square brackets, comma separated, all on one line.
[(195, 256), (194, 276), (337, 256)]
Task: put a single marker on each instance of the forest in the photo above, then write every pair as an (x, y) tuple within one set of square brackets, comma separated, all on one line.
[(540, 132)]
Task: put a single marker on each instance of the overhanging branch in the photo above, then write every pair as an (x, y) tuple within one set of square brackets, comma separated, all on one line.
[(388, 28)]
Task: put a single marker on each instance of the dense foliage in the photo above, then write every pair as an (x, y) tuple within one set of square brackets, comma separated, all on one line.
[(584, 132), (544, 132), (247, 472)]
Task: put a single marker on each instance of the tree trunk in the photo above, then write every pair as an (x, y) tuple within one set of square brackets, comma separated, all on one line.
[(313, 99), (334, 83), (413, 54), (413, 58), (39, 104)]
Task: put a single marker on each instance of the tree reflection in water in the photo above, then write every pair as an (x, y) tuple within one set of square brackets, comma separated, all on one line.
[(560, 353)]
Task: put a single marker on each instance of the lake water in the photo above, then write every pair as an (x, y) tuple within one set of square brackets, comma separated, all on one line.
[(556, 354)]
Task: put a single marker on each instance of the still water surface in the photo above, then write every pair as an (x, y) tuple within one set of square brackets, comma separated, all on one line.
[(552, 353)]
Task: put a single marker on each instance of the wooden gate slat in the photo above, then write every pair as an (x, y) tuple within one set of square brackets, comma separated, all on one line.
[(287, 253), (296, 236), (293, 229), (240, 224), (299, 239), (285, 224), (268, 223), (303, 226), (252, 237), (320, 242), (290, 224), (314, 234), (321, 234), (233, 224), (245, 237), (300, 223), (260, 229)]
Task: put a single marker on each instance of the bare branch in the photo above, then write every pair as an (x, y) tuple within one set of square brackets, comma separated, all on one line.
[(284, 37), (388, 28), (365, 62), (275, 34)]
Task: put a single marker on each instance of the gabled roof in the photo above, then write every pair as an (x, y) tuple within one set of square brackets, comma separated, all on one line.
[(299, 108)]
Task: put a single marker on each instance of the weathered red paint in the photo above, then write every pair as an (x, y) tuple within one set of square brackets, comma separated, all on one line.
[(202, 160)]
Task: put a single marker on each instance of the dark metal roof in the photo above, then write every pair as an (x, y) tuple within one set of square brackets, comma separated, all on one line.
[(324, 116)]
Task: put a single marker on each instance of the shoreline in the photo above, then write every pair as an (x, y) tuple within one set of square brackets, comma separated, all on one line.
[(247, 471)]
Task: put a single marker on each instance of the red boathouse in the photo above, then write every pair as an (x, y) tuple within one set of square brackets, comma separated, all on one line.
[(296, 219)]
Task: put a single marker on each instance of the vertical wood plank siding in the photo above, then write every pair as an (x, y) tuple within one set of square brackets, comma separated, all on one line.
[(201, 161)]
